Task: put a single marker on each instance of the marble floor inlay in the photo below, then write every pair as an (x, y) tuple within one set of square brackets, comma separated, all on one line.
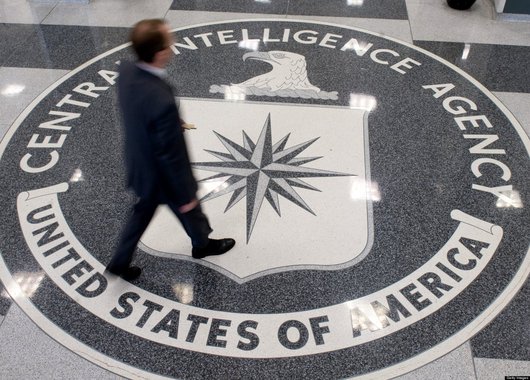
[(378, 193)]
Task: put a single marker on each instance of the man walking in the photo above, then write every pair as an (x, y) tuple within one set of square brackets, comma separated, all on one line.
[(157, 161)]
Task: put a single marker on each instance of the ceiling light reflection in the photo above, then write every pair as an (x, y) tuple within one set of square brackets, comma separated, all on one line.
[(77, 176), (362, 101), (365, 317), (355, 3), (217, 184), (249, 45), (465, 53), (235, 93), (364, 190), (510, 199), (13, 89), (28, 283), (184, 292)]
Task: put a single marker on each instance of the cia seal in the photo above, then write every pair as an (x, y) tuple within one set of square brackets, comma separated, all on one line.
[(375, 189)]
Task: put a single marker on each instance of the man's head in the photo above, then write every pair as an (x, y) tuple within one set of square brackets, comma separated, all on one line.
[(151, 41)]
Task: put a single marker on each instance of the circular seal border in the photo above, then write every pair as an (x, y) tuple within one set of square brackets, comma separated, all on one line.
[(407, 365)]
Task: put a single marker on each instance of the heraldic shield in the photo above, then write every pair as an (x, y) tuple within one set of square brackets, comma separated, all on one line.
[(291, 183)]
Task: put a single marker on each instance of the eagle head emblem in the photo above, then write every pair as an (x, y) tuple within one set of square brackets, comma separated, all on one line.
[(287, 78)]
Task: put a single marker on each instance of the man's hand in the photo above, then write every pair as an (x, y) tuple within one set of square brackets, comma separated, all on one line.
[(186, 126), (188, 206)]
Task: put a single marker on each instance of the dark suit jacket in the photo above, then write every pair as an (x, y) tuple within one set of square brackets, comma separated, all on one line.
[(155, 150)]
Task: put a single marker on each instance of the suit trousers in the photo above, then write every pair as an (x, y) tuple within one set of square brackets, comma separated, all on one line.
[(195, 224)]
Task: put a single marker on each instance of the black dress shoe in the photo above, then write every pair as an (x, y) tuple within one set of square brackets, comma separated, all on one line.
[(213, 248), (129, 274), (461, 4)]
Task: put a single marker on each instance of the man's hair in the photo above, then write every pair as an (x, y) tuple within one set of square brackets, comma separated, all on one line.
[(147, 39)]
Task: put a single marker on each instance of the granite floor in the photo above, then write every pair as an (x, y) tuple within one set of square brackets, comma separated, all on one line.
[(371, 159)]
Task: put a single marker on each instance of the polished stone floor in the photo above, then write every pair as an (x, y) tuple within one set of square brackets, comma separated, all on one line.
[(371, 159)]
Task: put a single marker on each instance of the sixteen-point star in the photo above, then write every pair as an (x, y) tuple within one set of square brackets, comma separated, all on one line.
[(261, 171)]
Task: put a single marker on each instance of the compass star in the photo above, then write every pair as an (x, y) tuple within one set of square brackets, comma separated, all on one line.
[(261, 171)]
